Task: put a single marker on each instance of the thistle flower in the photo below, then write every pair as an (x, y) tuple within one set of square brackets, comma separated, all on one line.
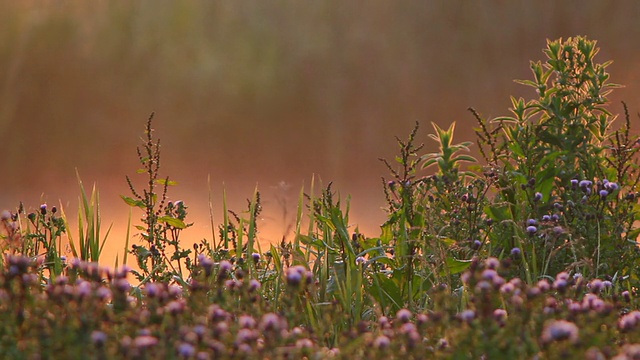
[(492, 263), (467, 316), (531, 230), (144, 341), (403, 315), (98, 338), (516, 252), (246, 322), (381, 342), (186, 350), (537, 197), (560, 330)]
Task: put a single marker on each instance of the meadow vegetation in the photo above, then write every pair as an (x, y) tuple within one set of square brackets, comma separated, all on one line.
[(528, 252)]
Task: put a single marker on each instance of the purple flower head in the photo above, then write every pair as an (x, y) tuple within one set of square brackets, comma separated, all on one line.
[(516, 252), (467, 315), (246, 322), (403, 315), (98, 338), (555, 217), (255, 257), (532, 222), (560, 330), (272, 322), (296, 274), (254, 285), (596, 286), (537, 196), (360, 260), (475, 245), (585, 184), (611, 186), (145, 341), (43, 209), (531, 230), (546, 218), (507, 288), (381, 342), (492, 263), (186, 350), (574, 183), (603, 193)]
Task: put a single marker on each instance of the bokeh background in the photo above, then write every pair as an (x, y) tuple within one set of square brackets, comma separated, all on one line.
[(266, 92)]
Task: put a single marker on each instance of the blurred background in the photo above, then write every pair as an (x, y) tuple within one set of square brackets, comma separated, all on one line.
[(265, 93)]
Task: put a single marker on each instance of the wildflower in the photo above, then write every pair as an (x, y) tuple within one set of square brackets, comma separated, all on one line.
[(507, 288), (596, 286), (246, 336), (403, 315), (103, 293), (500, 315), (383, 321), (254, 285), (304, 344), (206, 263), (152, 290), (186, 350), (585, 184), (537, 197), (560, 285), (532, 222), (626, 296), (224, 267), (175, 291), (574, 183), (381, 342), (5, 215), (611, 186), (531, 230), (98, 338), (145, 341), (467, 316), (476, 244), (271, 322), (43, 209), (492, 263), (546, 218), (295, 275), (603, 193), (543, 285), (255, 257), (360, 260), (176, 307), (516, 252), (246, 322), (559, 330)]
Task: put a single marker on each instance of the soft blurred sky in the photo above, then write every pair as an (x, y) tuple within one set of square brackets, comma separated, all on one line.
[(265, 92)]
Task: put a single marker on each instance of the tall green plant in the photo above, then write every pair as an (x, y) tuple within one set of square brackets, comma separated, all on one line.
[(163, 220)]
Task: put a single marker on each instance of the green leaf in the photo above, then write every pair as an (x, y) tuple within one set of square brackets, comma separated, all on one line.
[(133, 202), (456, 266), (177, 223), (166, 182), (498, 212)]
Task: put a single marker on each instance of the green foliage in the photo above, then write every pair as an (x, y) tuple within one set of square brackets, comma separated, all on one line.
[(163, 221), (532, 254)]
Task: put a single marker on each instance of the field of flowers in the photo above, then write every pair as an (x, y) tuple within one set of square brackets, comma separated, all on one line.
[(528, 252)]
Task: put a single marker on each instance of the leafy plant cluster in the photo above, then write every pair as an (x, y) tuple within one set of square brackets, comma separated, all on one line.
[(531, 253)]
